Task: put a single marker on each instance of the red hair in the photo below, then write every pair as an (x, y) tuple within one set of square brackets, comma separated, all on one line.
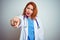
[(34, 14)]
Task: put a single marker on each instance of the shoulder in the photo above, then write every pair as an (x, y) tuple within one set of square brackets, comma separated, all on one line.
[(20, 16), (39, 20)]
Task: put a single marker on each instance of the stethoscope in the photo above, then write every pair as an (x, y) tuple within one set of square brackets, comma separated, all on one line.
[(26, 26), (38, 26)]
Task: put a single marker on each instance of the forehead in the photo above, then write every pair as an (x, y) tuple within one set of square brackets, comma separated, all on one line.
[(30, 6)]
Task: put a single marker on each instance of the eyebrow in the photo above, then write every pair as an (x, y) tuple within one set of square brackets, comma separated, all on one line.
[(29, 8)]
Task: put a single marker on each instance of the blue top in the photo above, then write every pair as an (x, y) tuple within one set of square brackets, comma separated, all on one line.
[(31, 35)]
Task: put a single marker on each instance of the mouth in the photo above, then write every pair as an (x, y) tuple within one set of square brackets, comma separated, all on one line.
[(28, 13)]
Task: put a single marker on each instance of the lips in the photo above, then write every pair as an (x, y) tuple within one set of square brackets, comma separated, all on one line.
[(28, 13)]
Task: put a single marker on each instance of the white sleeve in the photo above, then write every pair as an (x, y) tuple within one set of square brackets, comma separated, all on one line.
[(21, 24), (40, 30)]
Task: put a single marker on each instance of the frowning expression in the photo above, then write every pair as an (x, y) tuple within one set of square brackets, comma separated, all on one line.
[(29, 10)]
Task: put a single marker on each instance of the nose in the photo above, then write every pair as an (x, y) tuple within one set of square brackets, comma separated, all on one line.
[(29, 10)]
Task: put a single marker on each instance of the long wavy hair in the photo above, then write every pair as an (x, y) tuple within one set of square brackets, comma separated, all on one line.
[(34, 14)]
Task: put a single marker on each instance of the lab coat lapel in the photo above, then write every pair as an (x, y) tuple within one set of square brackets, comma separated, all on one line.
[(26, 28), (35, 30)]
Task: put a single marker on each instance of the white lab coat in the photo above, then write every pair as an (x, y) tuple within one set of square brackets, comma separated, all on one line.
[(39, 32)]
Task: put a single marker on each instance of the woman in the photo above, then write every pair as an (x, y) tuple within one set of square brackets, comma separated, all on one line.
[(28, 23)]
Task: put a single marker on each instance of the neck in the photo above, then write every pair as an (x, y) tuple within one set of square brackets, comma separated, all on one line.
[(29, 17)]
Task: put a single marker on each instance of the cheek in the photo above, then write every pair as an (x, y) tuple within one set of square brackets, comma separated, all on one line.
[(31, 12), (26, 10)]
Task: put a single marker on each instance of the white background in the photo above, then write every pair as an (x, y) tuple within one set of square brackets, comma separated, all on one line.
[(48, 12)]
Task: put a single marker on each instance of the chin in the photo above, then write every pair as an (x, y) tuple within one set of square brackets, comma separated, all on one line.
[(28, 15)]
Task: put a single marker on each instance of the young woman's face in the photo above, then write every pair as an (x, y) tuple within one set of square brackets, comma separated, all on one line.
[(29, 10)]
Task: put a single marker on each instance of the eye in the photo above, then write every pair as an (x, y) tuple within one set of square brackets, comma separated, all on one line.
[(28, 8), (32, 9)]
